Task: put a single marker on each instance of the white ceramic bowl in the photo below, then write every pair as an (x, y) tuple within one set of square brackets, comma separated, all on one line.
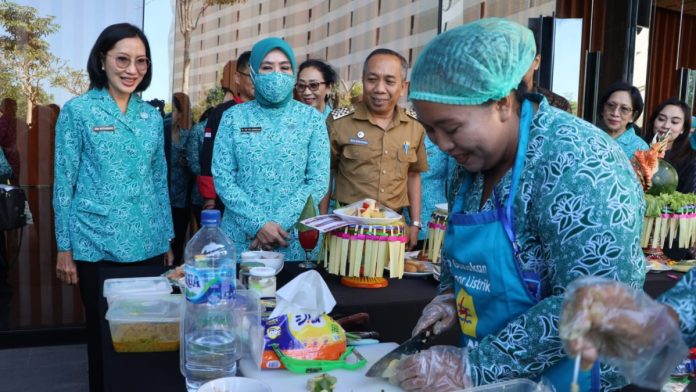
[(269, 259), (235, 384)]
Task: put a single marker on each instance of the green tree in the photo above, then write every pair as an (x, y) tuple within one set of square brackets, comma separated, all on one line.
[(24, 52), (214, 97), (188, 22), (74, 81)]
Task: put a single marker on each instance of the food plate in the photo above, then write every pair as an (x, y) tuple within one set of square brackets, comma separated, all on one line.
[(684, 265), (657, 267), (428, 269), (347, 214)]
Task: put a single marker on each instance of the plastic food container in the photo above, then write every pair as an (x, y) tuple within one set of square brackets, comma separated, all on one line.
[(145, 323), (152, 285), (263, 281), (516, 385)]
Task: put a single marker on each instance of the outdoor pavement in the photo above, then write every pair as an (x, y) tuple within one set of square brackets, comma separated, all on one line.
[(39, 369)]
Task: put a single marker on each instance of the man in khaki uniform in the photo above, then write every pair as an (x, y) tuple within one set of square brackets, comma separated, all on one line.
[(377, 147)]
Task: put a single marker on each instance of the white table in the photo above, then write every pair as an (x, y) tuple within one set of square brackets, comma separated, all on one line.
[(348, 380)]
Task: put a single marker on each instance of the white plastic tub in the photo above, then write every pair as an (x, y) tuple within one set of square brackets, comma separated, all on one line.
[(129, 287), (145, 323)]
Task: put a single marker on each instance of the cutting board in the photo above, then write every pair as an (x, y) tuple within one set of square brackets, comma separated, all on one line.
[(348, 381)]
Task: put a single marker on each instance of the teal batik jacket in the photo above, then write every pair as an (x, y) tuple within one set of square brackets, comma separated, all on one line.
[(578, 212), (193, 155), (682, 298), (110, 192), (266, 162), (630, 142)]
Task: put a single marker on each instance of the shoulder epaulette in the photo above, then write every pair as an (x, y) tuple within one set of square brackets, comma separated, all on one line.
[(342, 112), (411, 113)]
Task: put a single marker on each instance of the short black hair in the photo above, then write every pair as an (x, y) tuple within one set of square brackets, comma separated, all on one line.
[(388, 52), (327, 72), (636, 99), (104, 43), (243, 61)]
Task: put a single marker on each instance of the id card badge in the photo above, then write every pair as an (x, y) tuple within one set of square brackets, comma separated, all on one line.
[(104, 128)]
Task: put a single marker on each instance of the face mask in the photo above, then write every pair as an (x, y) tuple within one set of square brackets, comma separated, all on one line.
[(692, 140), (273, 89)]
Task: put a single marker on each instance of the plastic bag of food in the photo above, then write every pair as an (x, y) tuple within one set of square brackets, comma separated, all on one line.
[(627, 328), (302, 336)]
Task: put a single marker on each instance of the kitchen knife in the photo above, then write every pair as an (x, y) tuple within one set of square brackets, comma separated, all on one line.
[(411, 346)]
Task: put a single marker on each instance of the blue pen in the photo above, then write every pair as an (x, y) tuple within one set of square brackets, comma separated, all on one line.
[(406, 146)]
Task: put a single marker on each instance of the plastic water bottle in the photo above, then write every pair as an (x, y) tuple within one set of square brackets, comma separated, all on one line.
[(209, 345)]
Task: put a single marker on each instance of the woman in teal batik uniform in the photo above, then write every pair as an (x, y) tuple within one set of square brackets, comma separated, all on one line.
[(110, 191), (270, 155), (525, 217), (619, 108), (180, 175)]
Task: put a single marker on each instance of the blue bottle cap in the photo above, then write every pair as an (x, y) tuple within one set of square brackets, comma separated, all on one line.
[(210, 217)]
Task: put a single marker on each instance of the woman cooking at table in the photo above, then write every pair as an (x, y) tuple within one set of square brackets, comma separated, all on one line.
[(270, 155), (527, 218)]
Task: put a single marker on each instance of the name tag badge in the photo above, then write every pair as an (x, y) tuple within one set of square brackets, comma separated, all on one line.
[(104, 128), (250, 129), (362, 142)]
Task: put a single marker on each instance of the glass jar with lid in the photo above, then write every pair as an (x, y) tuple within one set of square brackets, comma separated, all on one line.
[(262, 280)]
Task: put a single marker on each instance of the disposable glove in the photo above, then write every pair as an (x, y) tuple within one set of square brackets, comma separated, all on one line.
[(624, 327), (439, 368), (441, 313)]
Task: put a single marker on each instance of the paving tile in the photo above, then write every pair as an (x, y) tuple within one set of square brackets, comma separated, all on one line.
[(55, 368)]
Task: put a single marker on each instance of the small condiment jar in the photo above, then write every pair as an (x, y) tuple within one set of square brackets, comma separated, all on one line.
[(262, 280)]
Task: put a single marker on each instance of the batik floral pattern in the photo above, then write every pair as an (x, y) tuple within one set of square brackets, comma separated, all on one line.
[(110, 192), (266, 162), (578, 212), (682, 298)]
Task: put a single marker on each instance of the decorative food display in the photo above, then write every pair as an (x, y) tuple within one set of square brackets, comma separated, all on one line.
[(669, 215), (369, 209), (436, 235), (365, 250), (367, 212)]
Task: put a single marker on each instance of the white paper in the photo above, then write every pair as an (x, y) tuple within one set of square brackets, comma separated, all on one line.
[(307, 293), (325, 223)]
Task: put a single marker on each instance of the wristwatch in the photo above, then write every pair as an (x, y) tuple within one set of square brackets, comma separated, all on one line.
[(417, 224)]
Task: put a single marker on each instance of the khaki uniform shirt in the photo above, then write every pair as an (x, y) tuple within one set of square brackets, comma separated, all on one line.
[(370, 162)]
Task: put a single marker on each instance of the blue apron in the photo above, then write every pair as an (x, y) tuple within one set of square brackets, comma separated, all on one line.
[(490, 288)]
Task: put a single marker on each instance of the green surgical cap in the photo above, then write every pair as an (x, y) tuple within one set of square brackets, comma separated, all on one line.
[(471, 64)]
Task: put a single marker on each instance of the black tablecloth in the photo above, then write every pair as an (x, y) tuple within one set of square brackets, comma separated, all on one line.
[(393, 312)]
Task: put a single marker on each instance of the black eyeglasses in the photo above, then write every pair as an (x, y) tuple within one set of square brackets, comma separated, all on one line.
[(313, 86), (123, 62)]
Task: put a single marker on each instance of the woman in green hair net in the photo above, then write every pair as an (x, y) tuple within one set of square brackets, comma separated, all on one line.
[(270, 155), (539, 198)]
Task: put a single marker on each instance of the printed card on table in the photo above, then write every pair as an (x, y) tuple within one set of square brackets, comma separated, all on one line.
[(325, 223)]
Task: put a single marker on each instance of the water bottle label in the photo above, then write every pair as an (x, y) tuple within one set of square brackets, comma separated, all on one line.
[(209, 285)]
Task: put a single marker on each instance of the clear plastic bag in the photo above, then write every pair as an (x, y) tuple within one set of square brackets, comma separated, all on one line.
[(627, 328)]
